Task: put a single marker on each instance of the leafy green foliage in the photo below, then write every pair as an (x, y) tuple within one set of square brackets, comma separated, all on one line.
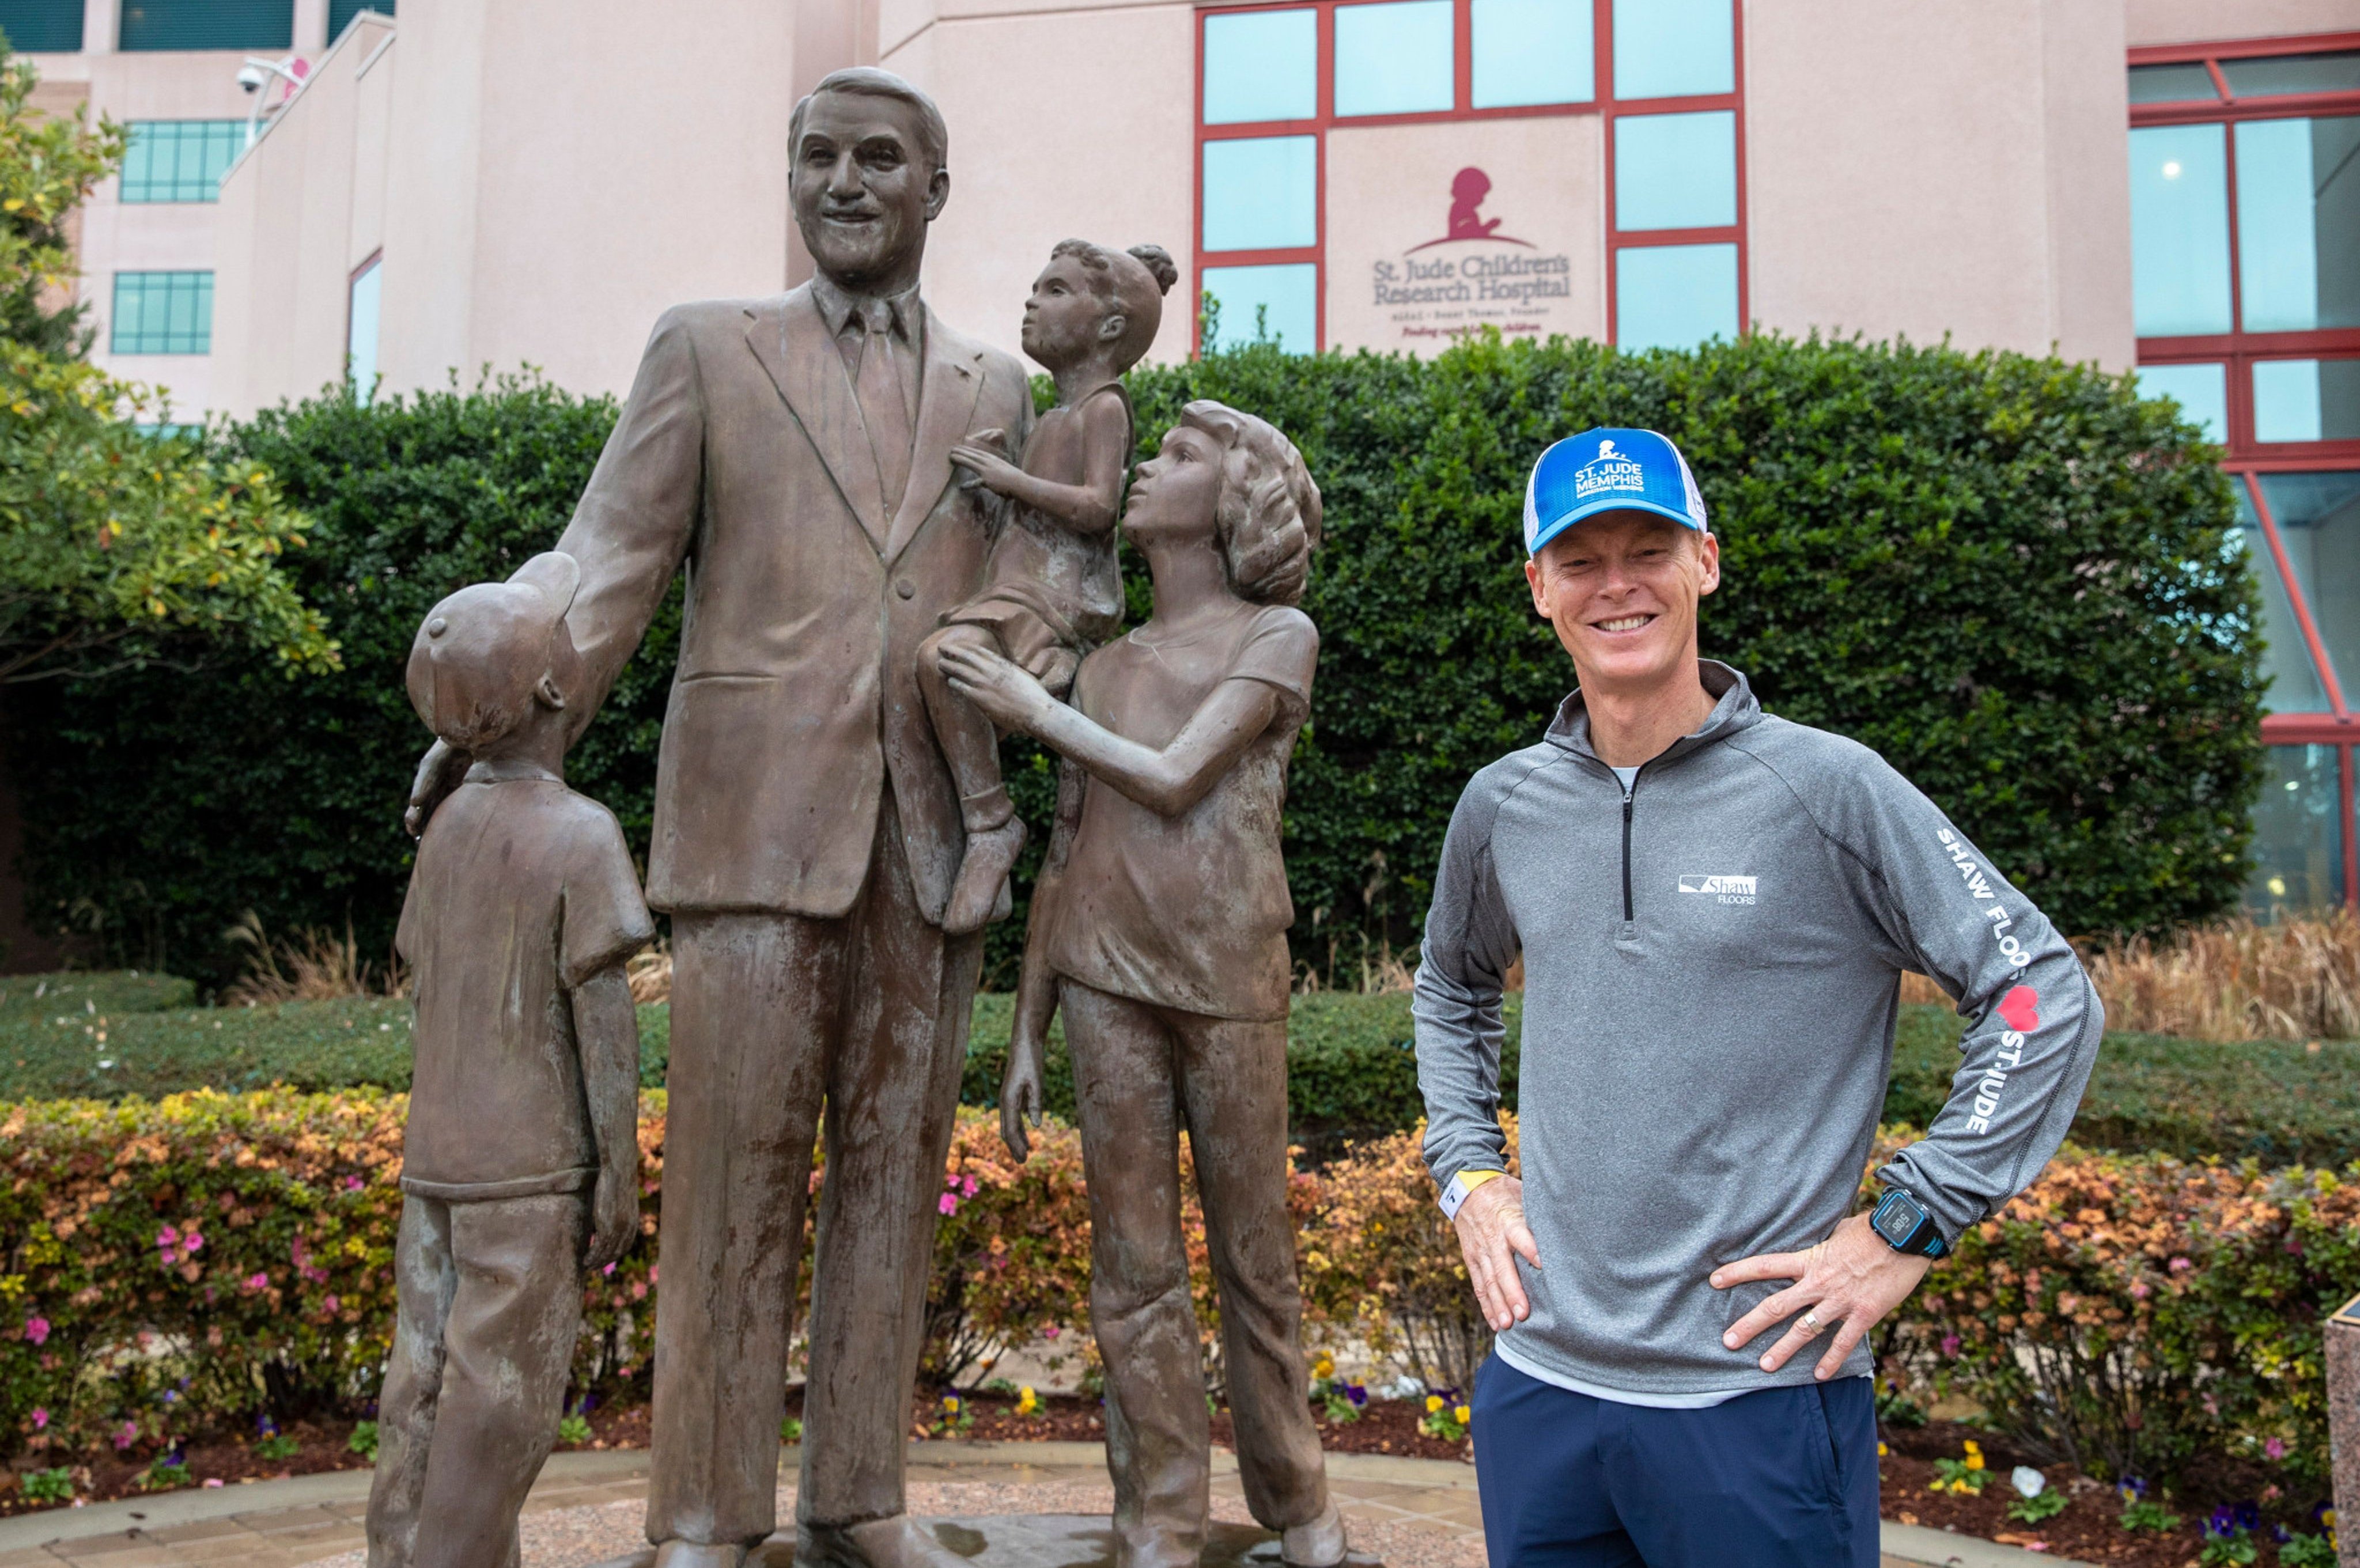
[(48, 165), (120, 549), (2010, 576), (2045, 1504), (2007, 575), (116, 549), (168, 802)]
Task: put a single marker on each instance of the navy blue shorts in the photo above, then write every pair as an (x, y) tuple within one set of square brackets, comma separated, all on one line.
[(1780, 1478)]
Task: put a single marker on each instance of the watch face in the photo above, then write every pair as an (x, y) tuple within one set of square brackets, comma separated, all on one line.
[(1893, 1221)]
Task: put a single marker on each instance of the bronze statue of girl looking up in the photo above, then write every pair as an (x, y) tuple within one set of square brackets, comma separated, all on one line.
[(1159, 925)]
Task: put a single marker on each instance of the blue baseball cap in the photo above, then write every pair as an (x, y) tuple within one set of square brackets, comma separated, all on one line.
[(1608, 471)]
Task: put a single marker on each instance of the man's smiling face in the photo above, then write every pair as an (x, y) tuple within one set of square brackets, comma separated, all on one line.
[(862, 188), (1621, 589)]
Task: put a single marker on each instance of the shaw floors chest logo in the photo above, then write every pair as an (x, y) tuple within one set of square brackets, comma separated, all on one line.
[(1723, 889)]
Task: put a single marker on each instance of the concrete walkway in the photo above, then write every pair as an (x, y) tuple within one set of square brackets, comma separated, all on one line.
[(282, 1524)]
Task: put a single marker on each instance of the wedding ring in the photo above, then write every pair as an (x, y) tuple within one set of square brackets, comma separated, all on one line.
[(1812, 1321)]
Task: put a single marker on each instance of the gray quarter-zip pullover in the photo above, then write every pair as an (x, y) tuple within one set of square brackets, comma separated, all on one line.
[(1711, 971)]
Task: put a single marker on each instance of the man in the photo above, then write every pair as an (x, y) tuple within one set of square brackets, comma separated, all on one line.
[(793, 455), (1713, 908)]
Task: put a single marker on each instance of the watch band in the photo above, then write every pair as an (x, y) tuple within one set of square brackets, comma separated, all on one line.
[(1902, 1223)]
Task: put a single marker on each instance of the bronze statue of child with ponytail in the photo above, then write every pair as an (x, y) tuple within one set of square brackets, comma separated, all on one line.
[(1052, 590)]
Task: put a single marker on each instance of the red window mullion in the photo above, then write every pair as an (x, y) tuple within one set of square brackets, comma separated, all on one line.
[(1326, 89), (2343, 828), (1604, 105), (1462, 54), (2237, 281), (2296, 597), (1737, 129), (1601, 51), (1197, 218)]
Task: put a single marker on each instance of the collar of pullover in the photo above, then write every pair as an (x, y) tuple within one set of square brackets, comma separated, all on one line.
[(1734, 709)]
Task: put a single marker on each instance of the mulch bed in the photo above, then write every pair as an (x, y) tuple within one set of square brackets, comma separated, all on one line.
[(2088, 1530)]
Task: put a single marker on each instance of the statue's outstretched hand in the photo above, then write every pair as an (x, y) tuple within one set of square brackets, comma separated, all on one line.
[(439, 773), (997, 687)]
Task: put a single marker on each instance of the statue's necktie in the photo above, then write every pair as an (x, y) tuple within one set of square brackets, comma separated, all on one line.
[(882, 403)]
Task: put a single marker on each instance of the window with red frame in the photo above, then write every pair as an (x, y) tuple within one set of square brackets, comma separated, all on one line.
[(1666, 76), (2245, 165)]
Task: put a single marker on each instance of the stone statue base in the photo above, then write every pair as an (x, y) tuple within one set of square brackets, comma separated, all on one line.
[(1043, 1541)]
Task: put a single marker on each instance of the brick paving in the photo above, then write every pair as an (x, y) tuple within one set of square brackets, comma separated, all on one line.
[(1414, 1513)]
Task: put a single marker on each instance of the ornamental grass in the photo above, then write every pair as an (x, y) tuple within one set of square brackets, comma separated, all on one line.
[(2294, 978)]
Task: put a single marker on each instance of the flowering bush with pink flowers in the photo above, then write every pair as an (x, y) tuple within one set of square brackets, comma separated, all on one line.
[(180, 1267), (172, 1268), (2132, 1313)]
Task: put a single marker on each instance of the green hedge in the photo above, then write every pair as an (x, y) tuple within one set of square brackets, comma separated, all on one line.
[(2010, 576), (1350, 1073)]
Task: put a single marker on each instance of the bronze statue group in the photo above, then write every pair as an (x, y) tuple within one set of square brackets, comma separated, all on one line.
[(888, 558)]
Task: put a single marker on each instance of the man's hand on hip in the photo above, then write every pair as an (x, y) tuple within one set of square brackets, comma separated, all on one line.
[(1492, 1233), (1847, 1282)]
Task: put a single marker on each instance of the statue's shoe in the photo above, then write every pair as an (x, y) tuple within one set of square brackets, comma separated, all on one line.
[(1319, 1545), (897, 1541), (697, 1554)]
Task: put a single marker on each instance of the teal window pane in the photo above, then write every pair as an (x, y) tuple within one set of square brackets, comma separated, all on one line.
[(2318, 516), (1394, 59), (42, 26), (2179, 230), (2188, 83), (1260, 65), (2275, 74), (2307, 399), (1676, 171), (2200, 390), (1673, 49), (2299, 223), (2293, 685), (2298, 847), (341, 12), (360, 332), (162, 313), (1532, 51), (1675, 296), (1279, 304), (207, 25), (1262, 192), (180, 160)]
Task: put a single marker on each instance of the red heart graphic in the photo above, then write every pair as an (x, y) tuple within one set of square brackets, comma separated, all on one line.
[(2021, 1009)]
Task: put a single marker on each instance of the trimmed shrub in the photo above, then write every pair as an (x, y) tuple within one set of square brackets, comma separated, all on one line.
[(170, 1268), (2010, 576), (1351, 1071), (162, 804), (2132, 1314)]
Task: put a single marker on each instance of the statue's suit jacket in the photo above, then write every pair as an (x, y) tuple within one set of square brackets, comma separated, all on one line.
[(741, 454)]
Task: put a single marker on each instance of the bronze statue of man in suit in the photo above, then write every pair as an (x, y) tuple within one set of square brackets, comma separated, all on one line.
[(793, 453)]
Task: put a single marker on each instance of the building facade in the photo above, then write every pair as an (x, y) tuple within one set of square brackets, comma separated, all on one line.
[(475, 185)]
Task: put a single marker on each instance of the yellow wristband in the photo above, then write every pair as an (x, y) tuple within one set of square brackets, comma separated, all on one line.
[(1455, 1191)]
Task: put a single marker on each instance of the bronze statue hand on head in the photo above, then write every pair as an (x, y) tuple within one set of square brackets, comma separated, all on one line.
[(796, 452)]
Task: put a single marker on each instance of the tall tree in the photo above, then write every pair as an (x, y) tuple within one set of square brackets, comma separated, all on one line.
[(48, 165), (119, 546)]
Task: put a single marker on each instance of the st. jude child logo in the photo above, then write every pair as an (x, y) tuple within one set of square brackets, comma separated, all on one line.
[(1609, 470)]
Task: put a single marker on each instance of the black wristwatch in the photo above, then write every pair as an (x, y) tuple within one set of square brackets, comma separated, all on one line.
[(1906, 1225)]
